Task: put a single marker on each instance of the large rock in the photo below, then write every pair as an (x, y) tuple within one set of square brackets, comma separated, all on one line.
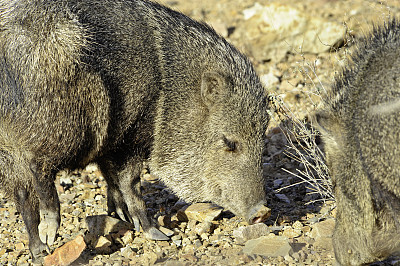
[(270, 246), (323, 229), (275, 29), (104, 225), (322, 233), (245, 233), (202, 212), (67, 253)]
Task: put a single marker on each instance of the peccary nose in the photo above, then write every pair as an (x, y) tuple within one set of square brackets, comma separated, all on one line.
[(258, 213)]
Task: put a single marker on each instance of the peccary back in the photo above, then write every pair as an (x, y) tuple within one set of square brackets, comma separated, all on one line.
[(117, 83), (360, 125)]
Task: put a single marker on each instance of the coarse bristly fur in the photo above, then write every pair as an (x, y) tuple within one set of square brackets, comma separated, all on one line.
[(118, 83), (360, 124)]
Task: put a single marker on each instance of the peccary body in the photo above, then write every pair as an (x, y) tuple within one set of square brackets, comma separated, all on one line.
[(360, 126), (117, 83)]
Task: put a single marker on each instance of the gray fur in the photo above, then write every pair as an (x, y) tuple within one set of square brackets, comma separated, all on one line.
[(360, 126), (120, 82)]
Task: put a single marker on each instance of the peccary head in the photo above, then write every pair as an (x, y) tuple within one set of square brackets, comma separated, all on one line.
[(360, 127), (208, 142)]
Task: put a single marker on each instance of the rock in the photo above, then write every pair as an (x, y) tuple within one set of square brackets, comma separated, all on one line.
[(202, 212), (103, 245), (323, 229), (283, 198), (245, 233), (19, 246), (190, 257), (278, 182), (180, 204), (128, 253), (65, 179), (90, 168), (291, 232), (164, 220), (128, 237), (67, 253), (151, 257), (166, 231), (177, 240), (175, 263), (205, 227), (322, 233), (297, 225), (269, 80), (275, 29), (104, 225), (270, 246)]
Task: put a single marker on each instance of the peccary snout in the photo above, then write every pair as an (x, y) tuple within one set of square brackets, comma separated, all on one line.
[(258, 213)]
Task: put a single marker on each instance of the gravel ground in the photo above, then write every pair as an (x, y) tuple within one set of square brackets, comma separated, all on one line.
[(294, 212)]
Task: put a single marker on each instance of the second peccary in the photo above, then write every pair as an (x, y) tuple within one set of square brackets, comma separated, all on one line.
[(117, 83), (360, 126)]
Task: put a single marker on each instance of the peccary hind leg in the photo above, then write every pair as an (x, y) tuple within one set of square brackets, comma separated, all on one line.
[(124, 196)]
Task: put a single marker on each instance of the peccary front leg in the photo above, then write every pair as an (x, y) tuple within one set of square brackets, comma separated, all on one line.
[(27, 204), (124, 196), (49, 205)]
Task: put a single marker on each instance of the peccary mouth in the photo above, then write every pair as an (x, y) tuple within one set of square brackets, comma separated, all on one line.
[(259, 213)]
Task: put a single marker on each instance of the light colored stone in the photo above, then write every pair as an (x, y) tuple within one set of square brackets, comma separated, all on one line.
[(245, 233), (91, 168), (152, 257), (166, 231), (19, 246), (271, 246), (297, 225), (202, 228), (202, 212), (269, 80), (104, 225), (128, 237), (323, 229), (67, 253), (128, 253), (164, 220), (103, 245), (291, 232)]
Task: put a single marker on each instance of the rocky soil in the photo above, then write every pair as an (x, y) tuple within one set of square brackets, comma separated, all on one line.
[(296, 46)]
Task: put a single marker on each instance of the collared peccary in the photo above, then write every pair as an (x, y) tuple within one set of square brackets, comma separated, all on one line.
[(360, 127), (117, 83)]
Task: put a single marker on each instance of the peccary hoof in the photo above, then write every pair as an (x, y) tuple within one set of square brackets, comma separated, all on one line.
[(39, 252), (48, 227), (155, 234)]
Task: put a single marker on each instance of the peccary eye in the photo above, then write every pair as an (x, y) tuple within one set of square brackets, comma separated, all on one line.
[(230, 144)]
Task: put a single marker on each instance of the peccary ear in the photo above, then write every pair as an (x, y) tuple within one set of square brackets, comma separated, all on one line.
[(213, 86), (322, 121), (328, 125)]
